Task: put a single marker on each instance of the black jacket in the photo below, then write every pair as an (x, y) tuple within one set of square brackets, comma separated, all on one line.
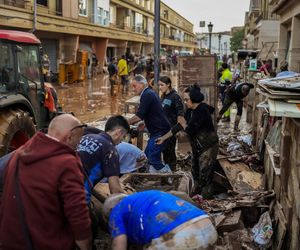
[(173, 106)]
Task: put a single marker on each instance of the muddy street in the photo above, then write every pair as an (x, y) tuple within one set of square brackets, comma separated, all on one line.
[(91, 100)]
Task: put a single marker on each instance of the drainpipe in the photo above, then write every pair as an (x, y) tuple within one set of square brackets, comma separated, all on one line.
[(34, 17), (156, 41)]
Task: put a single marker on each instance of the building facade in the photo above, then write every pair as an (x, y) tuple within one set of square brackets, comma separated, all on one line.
[(289, 37), (105, 28), (261, 29), (220, 43)]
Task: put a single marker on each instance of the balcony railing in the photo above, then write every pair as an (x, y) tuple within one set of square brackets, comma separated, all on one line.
[(266, 16), (14, 3)]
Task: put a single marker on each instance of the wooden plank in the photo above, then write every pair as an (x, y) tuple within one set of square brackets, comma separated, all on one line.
[(231, 222), (281, 223), (291, 98), (290, 94), (218, 219), (146, 181), (286, 207), (285, 158), (271, 152), (221, 180), (241, 178)]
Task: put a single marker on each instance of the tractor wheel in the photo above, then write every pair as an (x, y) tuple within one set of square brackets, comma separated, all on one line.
[(16, 128)]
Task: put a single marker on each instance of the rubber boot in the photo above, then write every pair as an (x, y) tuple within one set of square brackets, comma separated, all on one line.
[(236, 122), (226, 116)]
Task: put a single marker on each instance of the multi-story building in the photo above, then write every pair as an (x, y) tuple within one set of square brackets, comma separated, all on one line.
[(289, 37), (261, 29), (220, 42), (107, 27)]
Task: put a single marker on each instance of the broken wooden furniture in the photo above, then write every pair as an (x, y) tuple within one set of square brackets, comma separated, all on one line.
[(133, 101), (135, 182)]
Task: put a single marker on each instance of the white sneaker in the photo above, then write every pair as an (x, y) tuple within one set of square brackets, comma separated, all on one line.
[(165, 169)]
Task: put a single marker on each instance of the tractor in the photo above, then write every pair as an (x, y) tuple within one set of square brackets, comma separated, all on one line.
[(27, 103)]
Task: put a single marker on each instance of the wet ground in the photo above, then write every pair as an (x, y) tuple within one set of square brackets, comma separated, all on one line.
[(91, 100)]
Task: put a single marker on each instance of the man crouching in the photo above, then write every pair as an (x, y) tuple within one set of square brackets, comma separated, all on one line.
[(157, 220)]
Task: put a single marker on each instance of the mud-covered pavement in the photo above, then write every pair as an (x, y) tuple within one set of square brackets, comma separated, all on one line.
[(91, 100)]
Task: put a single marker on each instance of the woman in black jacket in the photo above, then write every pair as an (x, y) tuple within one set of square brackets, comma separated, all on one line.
[(173, 109), (199, 126)]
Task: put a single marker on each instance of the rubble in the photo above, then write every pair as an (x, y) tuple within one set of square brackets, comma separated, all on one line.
[(238, 203), (241, 177)]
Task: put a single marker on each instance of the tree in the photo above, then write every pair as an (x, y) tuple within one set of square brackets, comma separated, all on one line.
[(236, 40)]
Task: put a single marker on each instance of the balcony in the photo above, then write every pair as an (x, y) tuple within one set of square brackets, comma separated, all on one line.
[(137, 29), (266, 16), (14, 3)]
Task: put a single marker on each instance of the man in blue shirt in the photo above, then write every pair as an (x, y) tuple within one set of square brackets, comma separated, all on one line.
[(151, 111), (284, 70), (100, 157), (157, 220), (131, 157)]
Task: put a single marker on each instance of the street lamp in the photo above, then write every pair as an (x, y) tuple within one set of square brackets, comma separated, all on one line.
[(156, 40), (210, 28), (219, 36)]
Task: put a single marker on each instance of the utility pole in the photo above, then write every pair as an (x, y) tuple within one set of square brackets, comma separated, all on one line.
[(220, 36), (34, 17), (210, 28), (156, 41)]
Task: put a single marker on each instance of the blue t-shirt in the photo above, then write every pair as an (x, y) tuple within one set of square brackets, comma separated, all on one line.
[(147, 215), (99, 158), (286, 74), (151, 111), (128, 154)]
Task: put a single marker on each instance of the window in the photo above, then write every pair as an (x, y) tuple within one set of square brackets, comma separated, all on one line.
[(165, 14), (28, 62), (150, 30), (112, 16), (138, 22), (148, 5), (6, 68), (102, 15), (142, 3), (106, 19), (287, 46), (42, 2), (82, 5)]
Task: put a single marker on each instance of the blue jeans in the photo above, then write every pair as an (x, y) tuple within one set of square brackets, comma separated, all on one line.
[(153, 152)]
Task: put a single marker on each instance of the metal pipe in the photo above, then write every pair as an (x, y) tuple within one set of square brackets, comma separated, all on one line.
[(209, 42), (34, 17), (219, 36), (156, 41)]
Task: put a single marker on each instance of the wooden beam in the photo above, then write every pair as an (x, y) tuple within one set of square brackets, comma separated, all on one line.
[(241, 177)]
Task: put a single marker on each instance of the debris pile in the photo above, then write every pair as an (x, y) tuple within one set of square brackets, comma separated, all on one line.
[(241, 209), (282, 95), (240, 205), (241, 219)]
